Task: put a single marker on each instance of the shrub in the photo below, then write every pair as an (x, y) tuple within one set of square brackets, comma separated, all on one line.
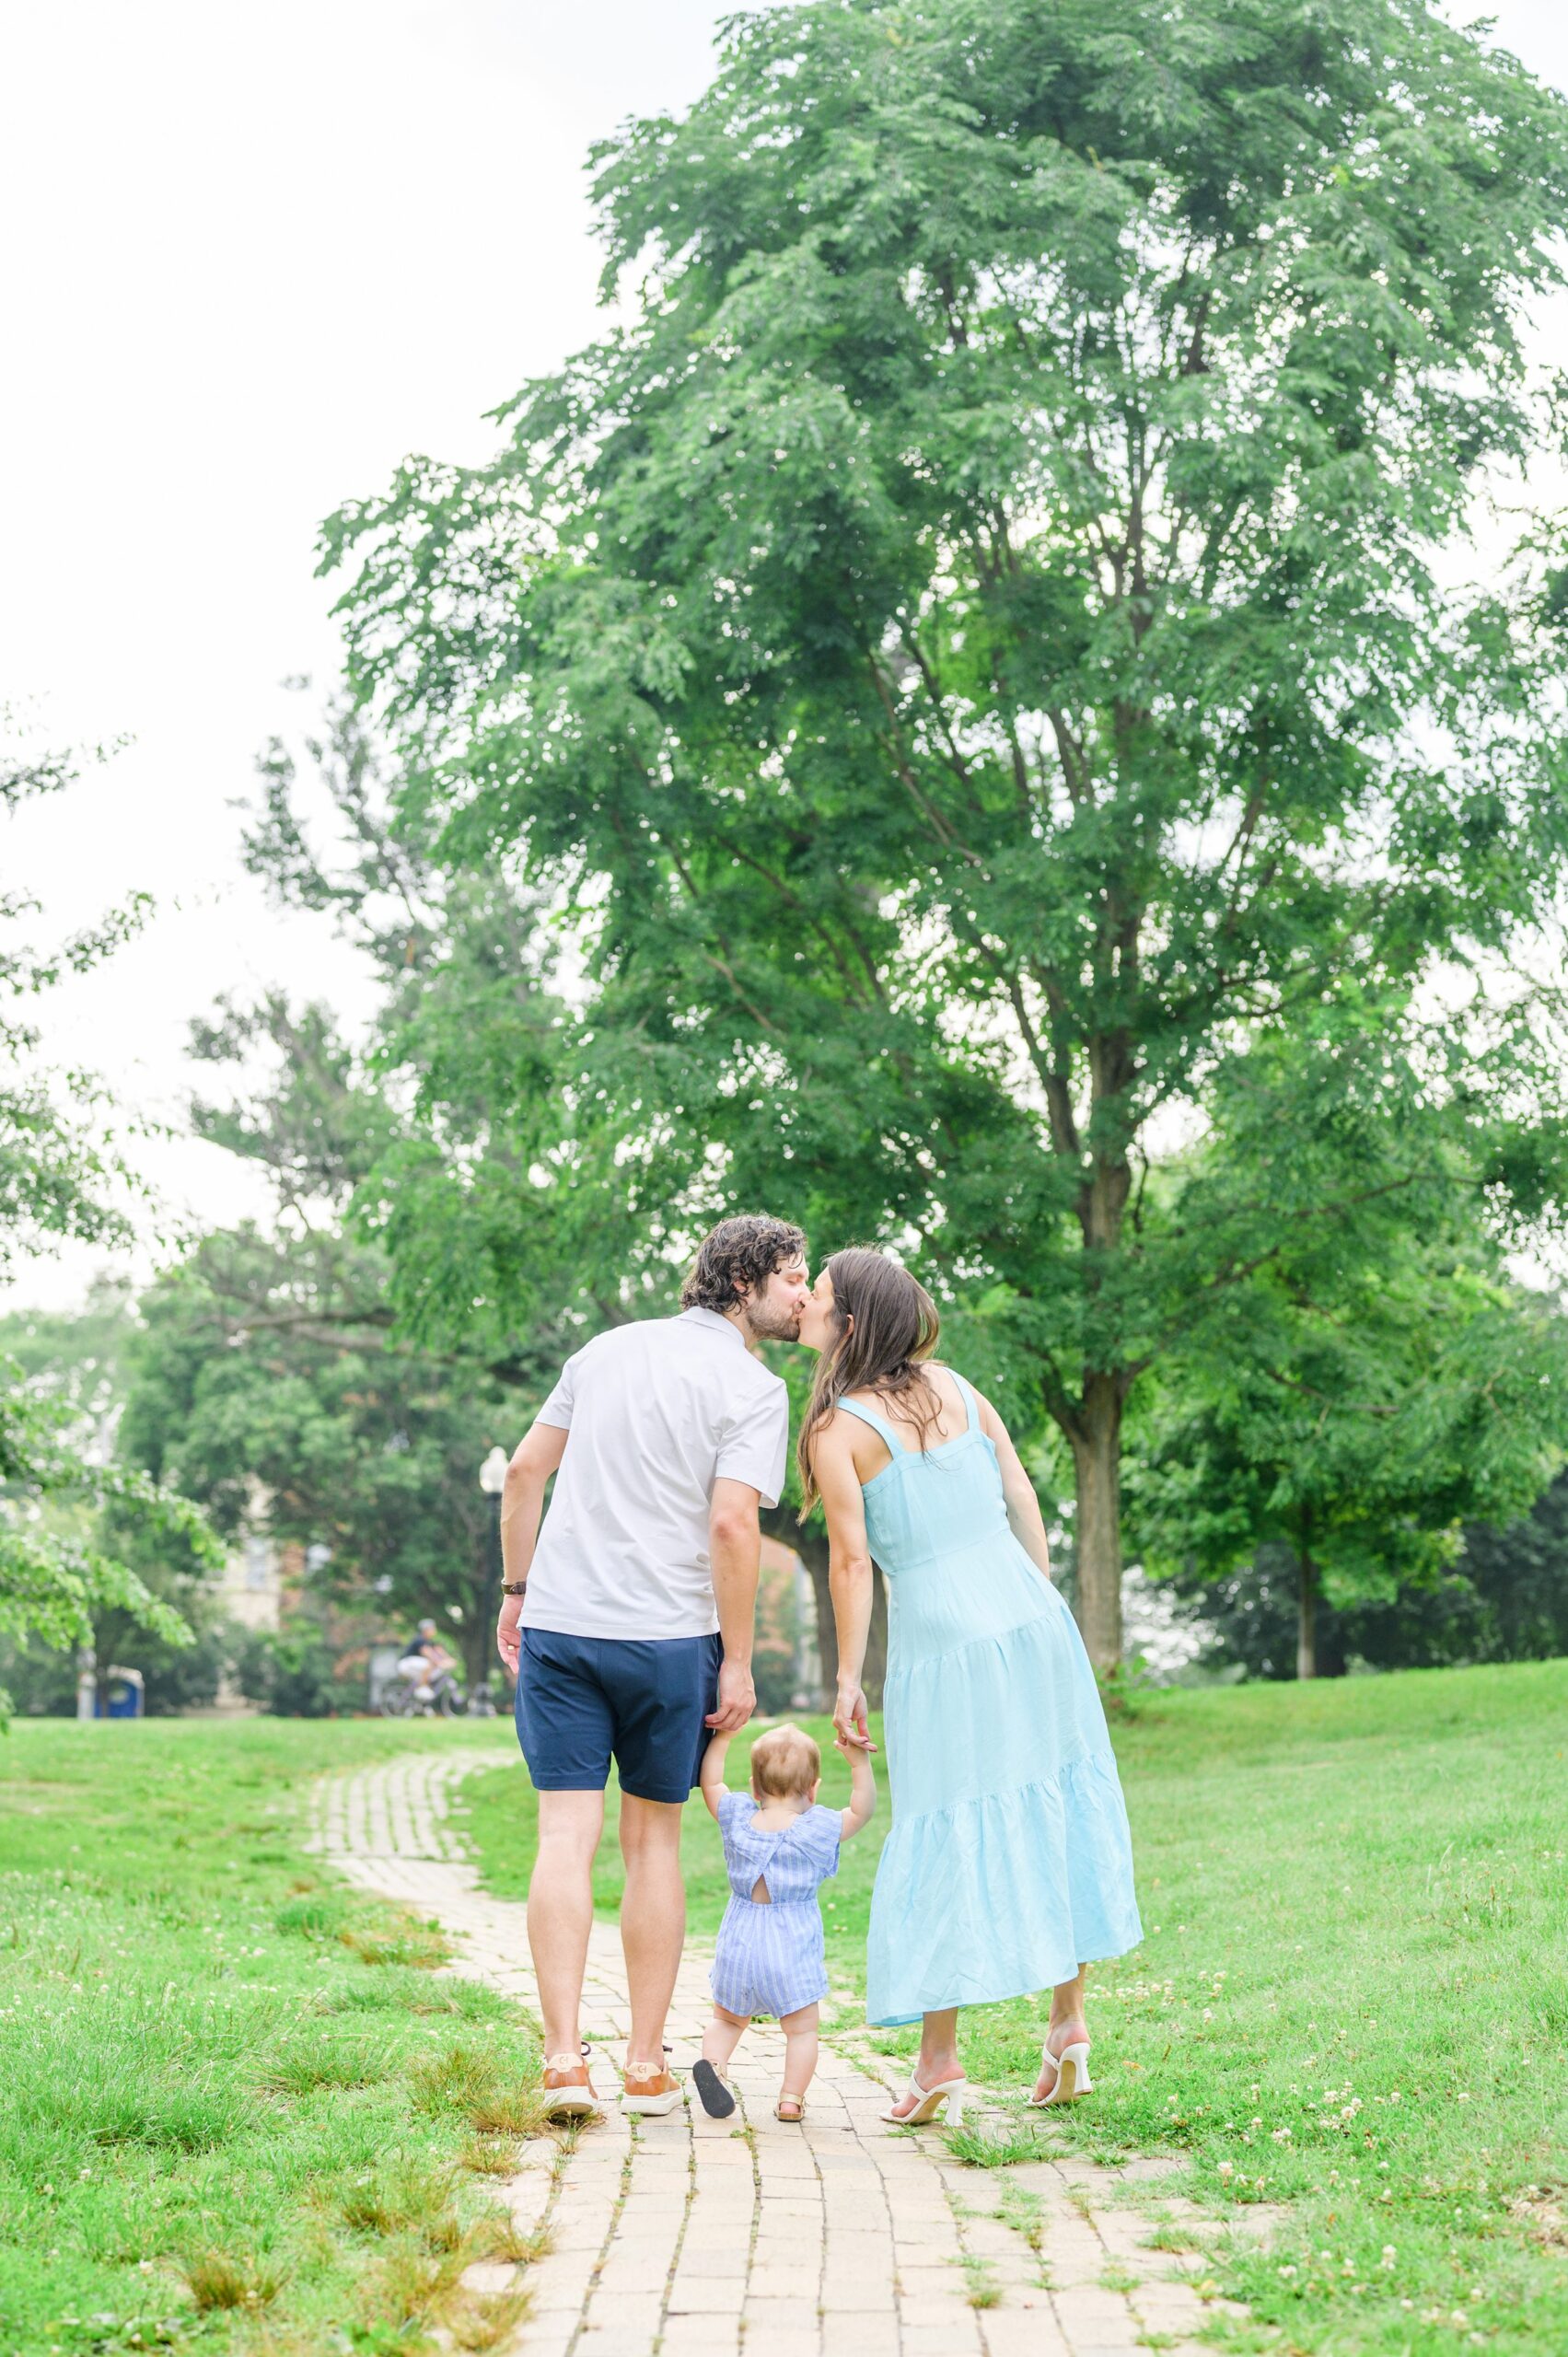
[(291, 1672)]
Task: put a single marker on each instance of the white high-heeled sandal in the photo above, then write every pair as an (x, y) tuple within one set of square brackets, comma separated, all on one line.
[(951, 2092), (1071, 2080)]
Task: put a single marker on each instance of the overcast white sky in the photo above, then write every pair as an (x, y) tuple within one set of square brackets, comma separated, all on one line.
[(251, 259)]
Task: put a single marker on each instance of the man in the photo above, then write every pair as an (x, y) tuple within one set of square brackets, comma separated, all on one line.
[(628, 1619), (423, 1659)]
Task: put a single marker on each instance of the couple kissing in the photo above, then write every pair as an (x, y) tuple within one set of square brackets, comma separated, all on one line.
[(627, 1619)]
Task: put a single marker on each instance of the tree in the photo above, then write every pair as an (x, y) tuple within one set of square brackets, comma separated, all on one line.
[(56, 1574), (465, 1032), (1504, 1597), (1353, 1420), (77, 1361), (974, 658), (269, 1378)]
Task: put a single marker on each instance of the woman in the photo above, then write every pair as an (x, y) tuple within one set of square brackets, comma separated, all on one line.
[(1009, 1866)]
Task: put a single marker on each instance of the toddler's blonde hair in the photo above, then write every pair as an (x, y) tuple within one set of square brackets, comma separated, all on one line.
[(785, 1763)]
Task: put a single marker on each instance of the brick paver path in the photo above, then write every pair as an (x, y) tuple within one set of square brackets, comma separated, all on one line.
[(691, 2237)]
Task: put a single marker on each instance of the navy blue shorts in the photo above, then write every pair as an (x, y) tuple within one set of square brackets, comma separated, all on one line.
[(582, 1699)]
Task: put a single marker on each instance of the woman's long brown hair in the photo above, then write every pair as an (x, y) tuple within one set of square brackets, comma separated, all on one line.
[(887, 1327)]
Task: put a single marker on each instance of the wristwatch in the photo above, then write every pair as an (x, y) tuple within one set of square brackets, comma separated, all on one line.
[(514, 1587)]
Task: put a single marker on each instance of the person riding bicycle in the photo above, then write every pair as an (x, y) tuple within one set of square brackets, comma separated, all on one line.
[(426, 1660)]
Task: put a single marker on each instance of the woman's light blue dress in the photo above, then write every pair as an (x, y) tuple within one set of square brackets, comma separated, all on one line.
[(769, 1957), (1009, 1862)]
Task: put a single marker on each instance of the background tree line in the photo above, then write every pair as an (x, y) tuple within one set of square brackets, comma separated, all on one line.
[(960, 720), (269, 1374)]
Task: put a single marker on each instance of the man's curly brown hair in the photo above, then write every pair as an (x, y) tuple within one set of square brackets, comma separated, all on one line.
[(738, 1253)]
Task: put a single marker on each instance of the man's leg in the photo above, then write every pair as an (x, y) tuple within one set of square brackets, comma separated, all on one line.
[(653, 1923), (661, 1691), (561, 1911), (563, 1726)]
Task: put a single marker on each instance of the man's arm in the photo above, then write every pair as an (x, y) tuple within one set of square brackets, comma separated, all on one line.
[(536, 1458), (735, 1551)]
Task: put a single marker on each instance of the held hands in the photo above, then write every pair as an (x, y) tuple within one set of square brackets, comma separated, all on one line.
[(738, 1698), (850, 1728)]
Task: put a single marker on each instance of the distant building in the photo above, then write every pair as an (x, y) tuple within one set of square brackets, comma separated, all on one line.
[(250, 1585)]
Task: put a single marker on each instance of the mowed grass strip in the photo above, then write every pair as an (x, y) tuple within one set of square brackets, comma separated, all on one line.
[(238, 2110), (1351, 1999)]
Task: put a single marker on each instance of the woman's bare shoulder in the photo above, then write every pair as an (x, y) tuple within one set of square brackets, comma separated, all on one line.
[(835, 1430)]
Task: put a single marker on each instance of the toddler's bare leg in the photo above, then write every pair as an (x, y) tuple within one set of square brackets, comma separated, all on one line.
[(800, 2050), (722, 2036)]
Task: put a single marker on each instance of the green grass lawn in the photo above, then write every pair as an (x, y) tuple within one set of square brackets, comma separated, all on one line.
[(237, 2110), (1351, 1998)]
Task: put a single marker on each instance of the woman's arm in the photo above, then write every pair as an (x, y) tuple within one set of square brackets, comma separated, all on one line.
[(710, 1779), (1022, 1506), (848, 1571)]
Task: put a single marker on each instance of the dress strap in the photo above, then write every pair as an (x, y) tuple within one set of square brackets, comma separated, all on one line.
[(969, 1400), (878, 1425)]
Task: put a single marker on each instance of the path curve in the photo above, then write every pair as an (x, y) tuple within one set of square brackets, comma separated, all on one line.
[(691, 2237)]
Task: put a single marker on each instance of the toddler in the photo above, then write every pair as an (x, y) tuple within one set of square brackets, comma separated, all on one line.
[(780, 1847)]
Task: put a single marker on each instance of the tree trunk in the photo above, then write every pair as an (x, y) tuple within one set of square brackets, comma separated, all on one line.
[(1096, 1461), (1307, 1617)]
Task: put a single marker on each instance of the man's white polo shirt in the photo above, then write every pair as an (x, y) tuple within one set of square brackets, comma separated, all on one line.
[(656, 1411)]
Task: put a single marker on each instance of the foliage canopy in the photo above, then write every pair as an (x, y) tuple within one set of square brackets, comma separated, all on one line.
[(975, 660)]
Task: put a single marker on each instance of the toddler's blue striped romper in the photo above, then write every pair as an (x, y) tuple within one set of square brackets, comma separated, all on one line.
[(768, 1958)]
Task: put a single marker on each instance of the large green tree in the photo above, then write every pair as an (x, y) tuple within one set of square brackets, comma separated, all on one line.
[(1349, 1421), (975, 654), (1504, 1597)]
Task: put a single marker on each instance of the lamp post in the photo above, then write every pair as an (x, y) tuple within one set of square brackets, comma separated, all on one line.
[(492, 1481)]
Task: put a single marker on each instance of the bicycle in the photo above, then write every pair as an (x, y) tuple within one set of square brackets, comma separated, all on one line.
[(446, 1699)]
